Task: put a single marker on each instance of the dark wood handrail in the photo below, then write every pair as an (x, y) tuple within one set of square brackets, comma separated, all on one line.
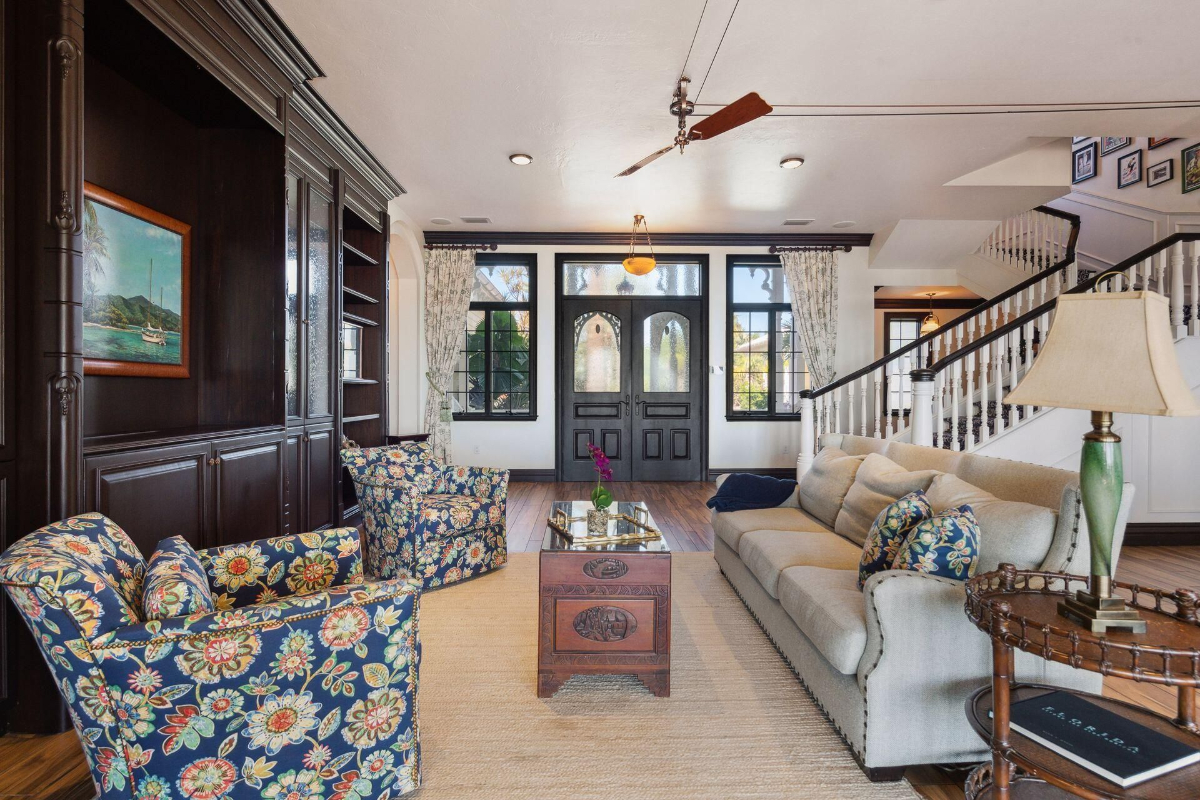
[(975, 310), (1033, 314)]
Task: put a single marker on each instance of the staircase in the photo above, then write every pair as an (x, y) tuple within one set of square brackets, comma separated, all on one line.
[(947, 388)]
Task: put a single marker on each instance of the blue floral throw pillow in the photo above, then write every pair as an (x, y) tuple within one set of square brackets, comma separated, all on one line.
[(889, 531), (946, 546), (175, 584)]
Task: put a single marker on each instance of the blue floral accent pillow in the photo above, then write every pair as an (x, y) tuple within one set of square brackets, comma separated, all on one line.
[(946, 546), (889, 532), (175, 584)]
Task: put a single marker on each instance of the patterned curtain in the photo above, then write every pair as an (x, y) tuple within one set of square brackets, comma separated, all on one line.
[(813, 280), (448, 276)]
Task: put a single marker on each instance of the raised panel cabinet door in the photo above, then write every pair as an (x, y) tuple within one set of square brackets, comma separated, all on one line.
[(319, 307), (248, 487), (153, 493), (320, 460), (293, 481)]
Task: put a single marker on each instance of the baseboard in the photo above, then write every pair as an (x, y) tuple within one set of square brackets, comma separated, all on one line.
[(774, 472), (531, 475), (1147, 534)]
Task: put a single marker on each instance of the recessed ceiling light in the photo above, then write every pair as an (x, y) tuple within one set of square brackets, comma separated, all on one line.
[(798, 221), (791, 162), (441, 221), (521, 159), (846, 223)]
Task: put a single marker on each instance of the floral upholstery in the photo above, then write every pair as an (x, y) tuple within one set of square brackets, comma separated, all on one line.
[(175, 584), (433, 524), (309, 695), (946, 545), (889, 531)]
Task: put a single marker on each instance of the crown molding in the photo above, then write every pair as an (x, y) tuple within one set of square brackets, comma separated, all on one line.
[(593, 238)]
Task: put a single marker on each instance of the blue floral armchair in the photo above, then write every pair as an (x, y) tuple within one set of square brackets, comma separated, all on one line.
[(302, 684), (431, 523)]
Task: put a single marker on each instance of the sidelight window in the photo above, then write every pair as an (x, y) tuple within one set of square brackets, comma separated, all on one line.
[(495, 375), (766, 368)]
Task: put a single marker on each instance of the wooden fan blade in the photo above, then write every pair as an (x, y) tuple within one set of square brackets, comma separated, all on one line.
[(645, 161), (739, 112)]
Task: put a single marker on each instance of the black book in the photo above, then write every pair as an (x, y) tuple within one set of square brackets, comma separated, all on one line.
[(1115, 748)]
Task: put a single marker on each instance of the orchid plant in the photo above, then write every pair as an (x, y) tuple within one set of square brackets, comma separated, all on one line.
[(602, 498)]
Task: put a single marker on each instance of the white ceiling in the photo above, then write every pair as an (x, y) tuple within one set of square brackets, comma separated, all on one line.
[(443, 91)]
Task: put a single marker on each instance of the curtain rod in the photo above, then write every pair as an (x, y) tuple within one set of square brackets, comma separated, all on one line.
[(461, 246), (827, 249)]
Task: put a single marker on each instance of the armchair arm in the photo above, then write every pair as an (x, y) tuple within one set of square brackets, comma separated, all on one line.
[(478, 481), (267, 569), (391, 510)]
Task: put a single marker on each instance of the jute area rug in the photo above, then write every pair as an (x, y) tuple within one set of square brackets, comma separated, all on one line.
[(737, 725)]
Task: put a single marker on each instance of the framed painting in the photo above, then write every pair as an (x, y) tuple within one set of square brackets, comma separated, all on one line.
[(1189, 168), (1161, 172), (1129, 169), (1083, 163), (1111, 144), (1159, 141), (136, 267)]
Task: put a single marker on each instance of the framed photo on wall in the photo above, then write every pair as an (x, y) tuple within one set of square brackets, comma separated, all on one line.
[(1083, 163), (1161, 172), (1129, 169), (1189, 168), (1111, 144), (136, 268), (1159, 141)]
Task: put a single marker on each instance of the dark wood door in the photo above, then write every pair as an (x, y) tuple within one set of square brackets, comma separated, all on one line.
[(293, 480), (668, 390), (594, 386), (320, 460), (153, 493), (248, 487)]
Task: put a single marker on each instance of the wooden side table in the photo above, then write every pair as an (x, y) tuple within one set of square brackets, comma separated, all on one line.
[(1018, 609), (604, 609)]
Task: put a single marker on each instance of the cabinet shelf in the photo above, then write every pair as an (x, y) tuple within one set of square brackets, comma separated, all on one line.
[(357, 320), (355, 297), (354, 257), (359, 418), (359, 382)]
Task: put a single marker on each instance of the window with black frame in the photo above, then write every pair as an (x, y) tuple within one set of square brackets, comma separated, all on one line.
[(495, 375), (766, 369)]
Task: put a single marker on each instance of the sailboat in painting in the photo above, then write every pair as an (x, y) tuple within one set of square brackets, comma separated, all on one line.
[(151, 334)]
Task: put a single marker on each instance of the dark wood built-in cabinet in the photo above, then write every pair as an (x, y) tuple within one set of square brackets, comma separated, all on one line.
[(200, 110)]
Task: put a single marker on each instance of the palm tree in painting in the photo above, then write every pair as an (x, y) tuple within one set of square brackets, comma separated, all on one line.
[(95, 250)]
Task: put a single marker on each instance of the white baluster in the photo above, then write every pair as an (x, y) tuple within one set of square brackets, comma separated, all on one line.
[(1177, 289), (877, 375), (939, 420), (955, 388), (1072, 274), (1160, 271), (969, 399), (1027, 333), (862, 395), (998, 382), (850, 406), (1194, 258), (985, 354)]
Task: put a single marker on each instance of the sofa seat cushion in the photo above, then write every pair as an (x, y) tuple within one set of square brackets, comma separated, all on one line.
[(731, 526), (824, 486), (768, 553), (829, 609), (1009, 531), (878, 483)]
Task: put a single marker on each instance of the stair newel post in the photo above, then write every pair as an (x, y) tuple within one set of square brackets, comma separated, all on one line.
[(998, 383), (984, 364), (1194, 260), (1177, 289), (808, 434), (877, 376), (922, 406)]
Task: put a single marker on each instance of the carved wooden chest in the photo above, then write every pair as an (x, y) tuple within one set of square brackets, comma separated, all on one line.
[(604, 610)]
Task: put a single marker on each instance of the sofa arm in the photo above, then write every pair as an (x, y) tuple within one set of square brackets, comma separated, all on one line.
[(268, 569), (478, 481)]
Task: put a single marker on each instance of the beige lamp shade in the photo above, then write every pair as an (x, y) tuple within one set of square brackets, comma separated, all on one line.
[(1109, 352)]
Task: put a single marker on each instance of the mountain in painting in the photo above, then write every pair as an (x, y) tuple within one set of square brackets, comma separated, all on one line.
[(135, 312)]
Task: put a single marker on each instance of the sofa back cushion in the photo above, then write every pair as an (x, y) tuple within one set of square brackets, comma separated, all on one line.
[(878, 483), (176, 584), (824, 486), (1013, 532)]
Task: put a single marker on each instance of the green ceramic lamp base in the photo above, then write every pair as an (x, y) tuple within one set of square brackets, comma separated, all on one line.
[(1101, 480)]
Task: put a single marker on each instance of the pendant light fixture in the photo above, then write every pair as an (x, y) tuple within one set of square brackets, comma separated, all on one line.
[(635, 264), (931, 323)]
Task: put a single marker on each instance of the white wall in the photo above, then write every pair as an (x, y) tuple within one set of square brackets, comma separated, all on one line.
[(406, 346)]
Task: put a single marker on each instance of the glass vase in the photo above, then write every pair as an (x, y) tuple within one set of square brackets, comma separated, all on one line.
[(597, 521)]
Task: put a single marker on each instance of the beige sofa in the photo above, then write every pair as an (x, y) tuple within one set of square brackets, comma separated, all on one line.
[(893, 664)]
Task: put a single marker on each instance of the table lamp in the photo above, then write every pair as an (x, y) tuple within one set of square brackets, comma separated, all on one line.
[(1106, 353)]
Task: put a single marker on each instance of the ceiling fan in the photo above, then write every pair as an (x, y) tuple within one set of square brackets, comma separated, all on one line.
[(737, 113)]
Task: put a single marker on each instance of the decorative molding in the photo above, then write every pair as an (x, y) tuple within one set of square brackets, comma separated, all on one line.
[(1150, 534), (273, 35), (313, 108), (605, 569), (605, 624), (594, 238)]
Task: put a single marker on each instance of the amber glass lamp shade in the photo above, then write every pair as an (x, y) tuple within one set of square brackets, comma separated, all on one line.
[(639, 265)]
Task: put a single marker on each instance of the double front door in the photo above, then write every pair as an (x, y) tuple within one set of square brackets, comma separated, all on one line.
[(631, 381)]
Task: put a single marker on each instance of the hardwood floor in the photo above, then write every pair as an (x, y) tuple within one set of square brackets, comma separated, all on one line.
[(52, 767)]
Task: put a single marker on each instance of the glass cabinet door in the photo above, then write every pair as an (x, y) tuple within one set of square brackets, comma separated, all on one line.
[(319, 306), (291, 368)]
